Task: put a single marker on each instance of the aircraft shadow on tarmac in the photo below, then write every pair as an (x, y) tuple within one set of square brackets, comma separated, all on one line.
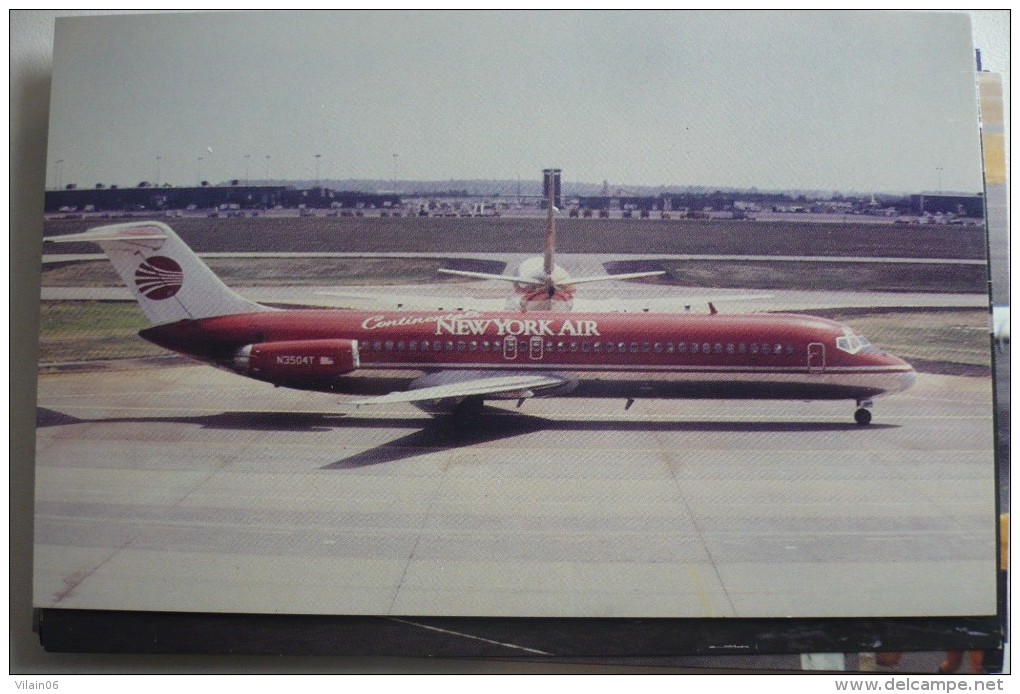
[(440, 434), (240, 420), (443, 434)]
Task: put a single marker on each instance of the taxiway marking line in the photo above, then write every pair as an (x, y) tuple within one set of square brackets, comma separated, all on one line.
[(132, 393), (425, 450), (470, 636)]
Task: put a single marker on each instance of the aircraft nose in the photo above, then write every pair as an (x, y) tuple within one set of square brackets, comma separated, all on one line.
[(901, 379), (907, 379)]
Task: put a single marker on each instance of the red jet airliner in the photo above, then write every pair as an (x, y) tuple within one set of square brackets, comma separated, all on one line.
[(454, 361)]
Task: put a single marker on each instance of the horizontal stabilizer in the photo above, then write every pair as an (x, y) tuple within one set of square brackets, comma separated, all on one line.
[(104, 235)]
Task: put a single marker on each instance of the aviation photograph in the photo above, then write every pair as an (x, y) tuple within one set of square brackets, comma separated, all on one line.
[(419, 315)]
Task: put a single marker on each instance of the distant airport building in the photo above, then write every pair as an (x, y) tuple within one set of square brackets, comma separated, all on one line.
[(325, 198), (551, 182), (234, 196), (145, 196), (619, 202), (963, 205)]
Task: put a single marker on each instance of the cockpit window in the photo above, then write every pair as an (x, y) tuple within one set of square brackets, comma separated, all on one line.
[(855, 344)]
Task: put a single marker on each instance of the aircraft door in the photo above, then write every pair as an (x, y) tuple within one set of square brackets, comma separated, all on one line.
[(816, 358), (536, 348), (510, 348)]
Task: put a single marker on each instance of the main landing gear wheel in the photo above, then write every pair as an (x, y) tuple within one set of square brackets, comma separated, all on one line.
[(862, 416), (468, 412)]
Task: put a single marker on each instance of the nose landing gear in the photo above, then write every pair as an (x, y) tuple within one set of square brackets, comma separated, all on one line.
[(863, 414)]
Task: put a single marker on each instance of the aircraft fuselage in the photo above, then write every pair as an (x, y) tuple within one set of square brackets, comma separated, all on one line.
[(760, 356)]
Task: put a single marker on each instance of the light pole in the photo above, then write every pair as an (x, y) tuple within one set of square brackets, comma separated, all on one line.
[(317, 158), (200, 171)]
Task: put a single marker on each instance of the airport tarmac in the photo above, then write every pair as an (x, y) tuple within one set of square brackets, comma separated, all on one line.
[(180, 487)]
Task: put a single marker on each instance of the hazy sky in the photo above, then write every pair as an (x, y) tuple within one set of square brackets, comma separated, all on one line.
[(868, 102)]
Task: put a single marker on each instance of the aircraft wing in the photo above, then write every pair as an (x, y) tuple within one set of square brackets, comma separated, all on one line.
[(659, 304), (624, 276), (516, 279), (409, 302), (505, 385)]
